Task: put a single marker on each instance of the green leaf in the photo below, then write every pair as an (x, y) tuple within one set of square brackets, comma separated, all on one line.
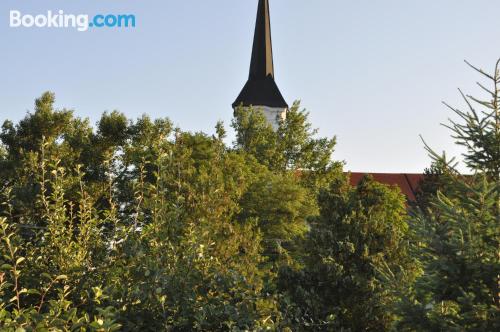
[(7, 267)]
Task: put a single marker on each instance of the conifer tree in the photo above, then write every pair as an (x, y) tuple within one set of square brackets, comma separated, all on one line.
[(460, 233)]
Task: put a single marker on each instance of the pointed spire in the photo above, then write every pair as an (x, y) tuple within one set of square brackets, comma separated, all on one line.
[(261, 89), (262, 52)]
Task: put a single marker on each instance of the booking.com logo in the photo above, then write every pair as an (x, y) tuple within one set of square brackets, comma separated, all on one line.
[(59, 19)]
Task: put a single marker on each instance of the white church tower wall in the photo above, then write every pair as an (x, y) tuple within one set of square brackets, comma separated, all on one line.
[(273, 115)]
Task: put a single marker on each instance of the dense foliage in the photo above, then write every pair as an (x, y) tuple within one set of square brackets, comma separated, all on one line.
[(136, 225)]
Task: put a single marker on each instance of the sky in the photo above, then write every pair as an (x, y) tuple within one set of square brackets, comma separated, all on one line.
[(373, 73)]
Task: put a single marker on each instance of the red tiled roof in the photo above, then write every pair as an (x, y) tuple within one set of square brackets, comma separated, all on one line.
[(407, 183)]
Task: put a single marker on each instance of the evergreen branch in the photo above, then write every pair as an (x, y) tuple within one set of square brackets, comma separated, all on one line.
[(480, 71), (493, 94)]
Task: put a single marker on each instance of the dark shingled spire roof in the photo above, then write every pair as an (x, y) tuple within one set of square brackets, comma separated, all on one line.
[(261, 89)]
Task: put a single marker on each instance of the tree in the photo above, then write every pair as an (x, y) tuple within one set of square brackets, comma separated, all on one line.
[(281, 207), (282, 198), (292, 147), (191, 266), (255, 136), (460, 233), (304, 153), (360, 232), (65, 138)]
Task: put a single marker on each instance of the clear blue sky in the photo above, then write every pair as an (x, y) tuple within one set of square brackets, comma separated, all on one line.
[(373, 73)]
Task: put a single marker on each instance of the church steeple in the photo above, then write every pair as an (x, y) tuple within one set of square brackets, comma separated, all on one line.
[(261, 89), (262, 53)]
